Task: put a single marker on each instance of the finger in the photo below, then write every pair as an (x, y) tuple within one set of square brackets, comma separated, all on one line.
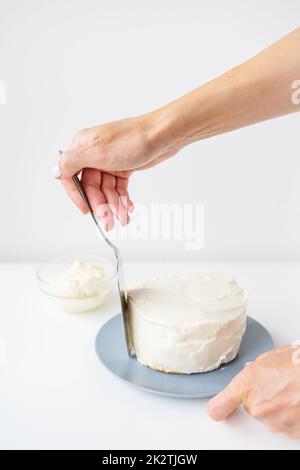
[(271, 354), (91, 180), (274, 427), (266, 409), (285, 420), (71, 189), (264, 356), (294, 434), (226, 402), (121, 187), (284, 404), (108, 187)]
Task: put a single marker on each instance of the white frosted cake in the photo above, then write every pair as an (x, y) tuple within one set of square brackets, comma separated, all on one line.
[(187, 323)]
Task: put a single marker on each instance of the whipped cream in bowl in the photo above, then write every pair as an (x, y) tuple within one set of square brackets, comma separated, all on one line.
[(77, 284)]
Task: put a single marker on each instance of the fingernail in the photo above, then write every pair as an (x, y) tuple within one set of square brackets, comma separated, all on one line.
[(55, 172), (84, 210), (131, 209)]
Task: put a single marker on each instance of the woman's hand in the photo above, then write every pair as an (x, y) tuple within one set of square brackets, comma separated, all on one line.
[(269, 389), (257, 90), (107, 155)]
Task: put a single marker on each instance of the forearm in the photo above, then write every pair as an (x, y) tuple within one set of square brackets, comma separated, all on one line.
[(255, 91)]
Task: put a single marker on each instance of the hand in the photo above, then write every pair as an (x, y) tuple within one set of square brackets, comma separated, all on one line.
[(269, 389), (107, 155), (245, 95)]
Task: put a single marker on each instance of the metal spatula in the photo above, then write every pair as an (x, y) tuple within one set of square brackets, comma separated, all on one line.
[(120, 274)]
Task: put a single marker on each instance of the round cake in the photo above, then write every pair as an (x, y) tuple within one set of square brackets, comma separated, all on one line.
[(187, 323)]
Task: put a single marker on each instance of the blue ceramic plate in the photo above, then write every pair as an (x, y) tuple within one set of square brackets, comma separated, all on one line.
[(111, 350)]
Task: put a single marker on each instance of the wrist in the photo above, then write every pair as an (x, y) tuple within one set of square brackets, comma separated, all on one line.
[(164, 133), (183, 121)]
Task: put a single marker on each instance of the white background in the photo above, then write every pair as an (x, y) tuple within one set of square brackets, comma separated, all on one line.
[(70, 64)]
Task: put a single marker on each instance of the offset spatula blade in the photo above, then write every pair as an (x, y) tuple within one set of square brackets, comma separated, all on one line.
[(125, 305), (121, 283)]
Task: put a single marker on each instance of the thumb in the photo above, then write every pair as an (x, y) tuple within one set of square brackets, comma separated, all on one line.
[(226, 402), (75, 159)]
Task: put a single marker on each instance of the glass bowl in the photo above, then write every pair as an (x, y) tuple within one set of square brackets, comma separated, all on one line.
[(64, 296)]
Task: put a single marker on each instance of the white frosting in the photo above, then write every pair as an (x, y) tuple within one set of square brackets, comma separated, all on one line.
[(81, 287), (82, 279), (187, 323)]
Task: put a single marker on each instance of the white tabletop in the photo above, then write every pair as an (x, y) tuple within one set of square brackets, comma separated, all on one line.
[(54, 393)]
